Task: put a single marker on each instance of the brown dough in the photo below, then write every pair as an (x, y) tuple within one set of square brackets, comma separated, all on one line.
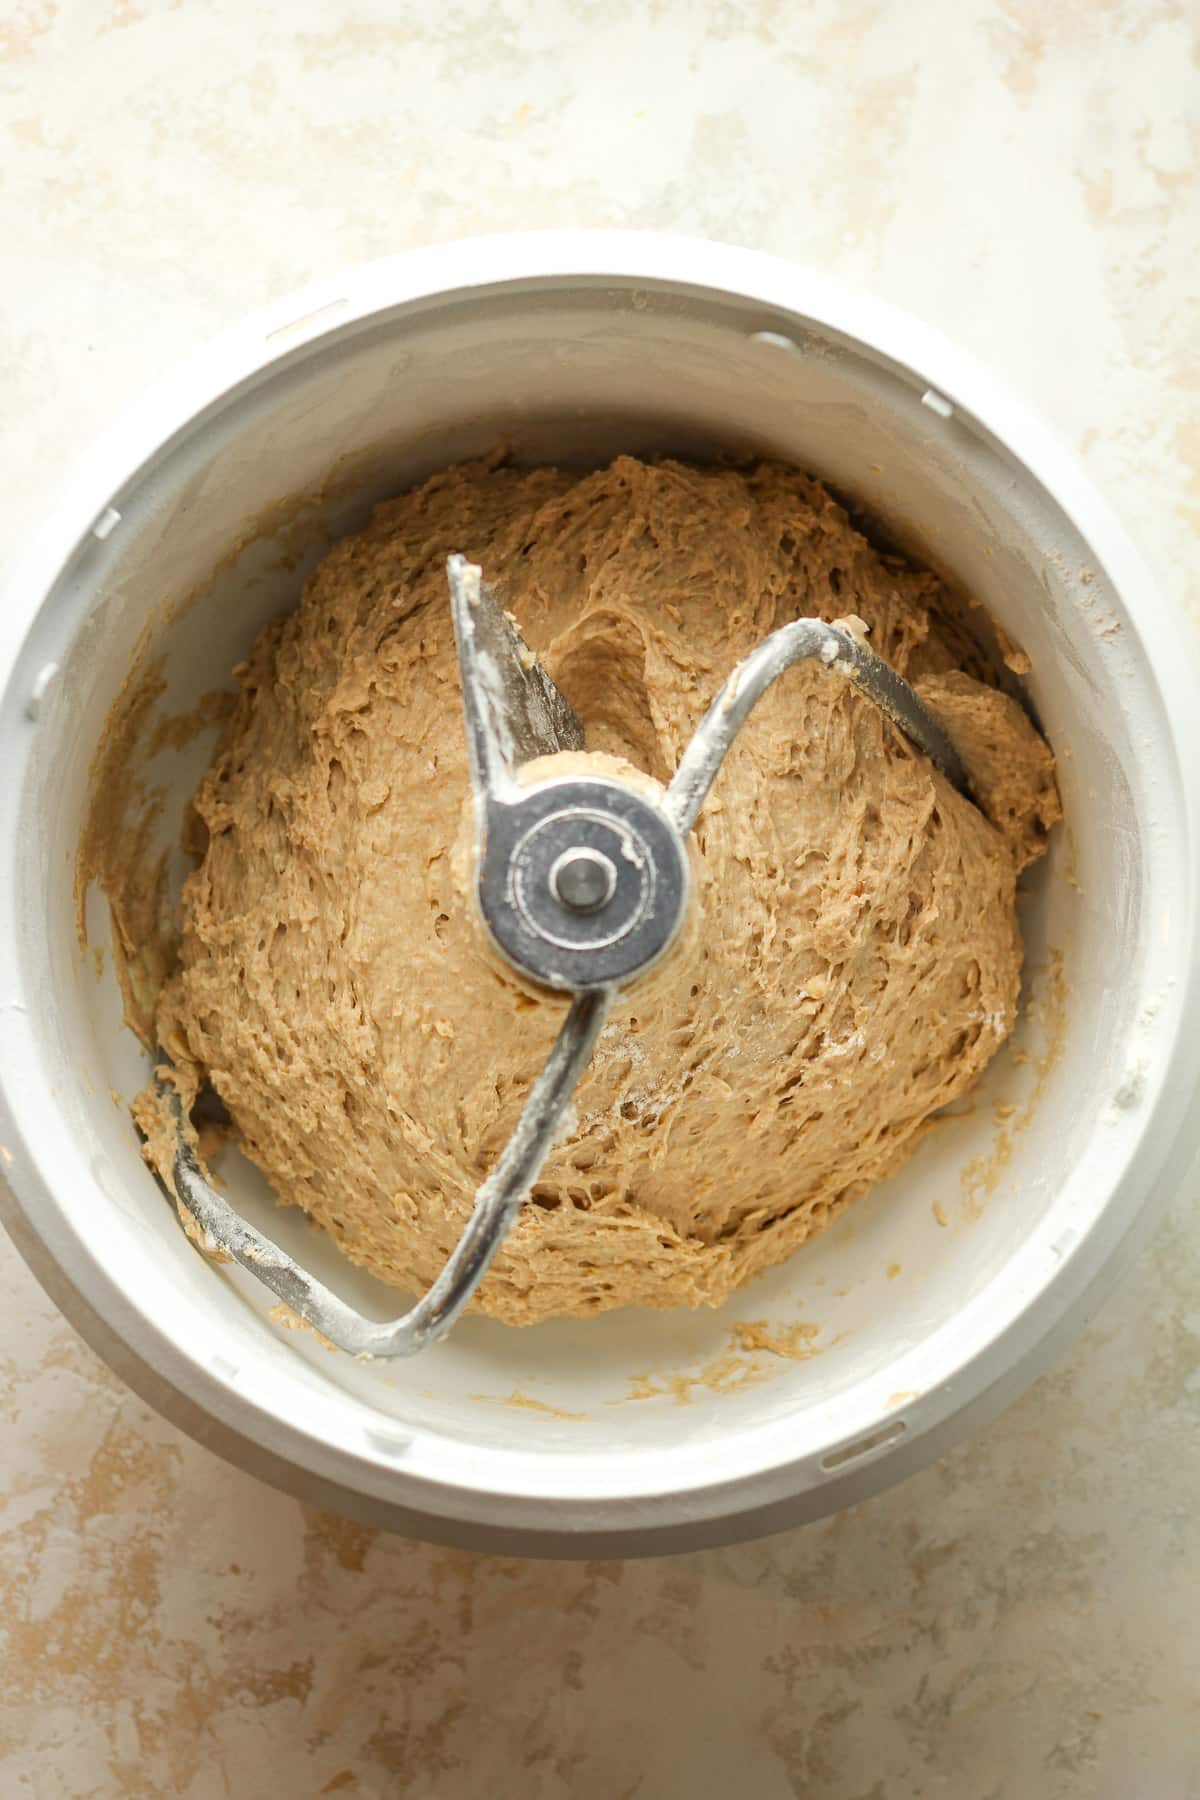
[(858, 960)]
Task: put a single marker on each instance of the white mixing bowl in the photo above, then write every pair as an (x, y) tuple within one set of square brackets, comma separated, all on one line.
[(934, 1299)]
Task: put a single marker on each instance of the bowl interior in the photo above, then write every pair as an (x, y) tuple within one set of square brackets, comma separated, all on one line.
[(215, 538)]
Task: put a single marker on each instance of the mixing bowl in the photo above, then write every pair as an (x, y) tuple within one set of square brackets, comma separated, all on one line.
[(934, 1299)]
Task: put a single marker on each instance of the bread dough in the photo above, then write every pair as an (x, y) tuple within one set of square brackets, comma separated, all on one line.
[(855, 959)]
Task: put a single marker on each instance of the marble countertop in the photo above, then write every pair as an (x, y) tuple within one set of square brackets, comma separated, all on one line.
[(1018, 1622)]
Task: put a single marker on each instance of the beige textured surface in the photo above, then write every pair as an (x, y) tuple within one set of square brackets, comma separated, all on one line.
[(855, 964), (1017, 1623)]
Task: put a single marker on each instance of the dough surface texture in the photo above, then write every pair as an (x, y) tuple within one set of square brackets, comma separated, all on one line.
[(853, 964)]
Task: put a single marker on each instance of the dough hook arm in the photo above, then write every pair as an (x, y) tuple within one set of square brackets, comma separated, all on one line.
[(496, 1205), (835, 647)]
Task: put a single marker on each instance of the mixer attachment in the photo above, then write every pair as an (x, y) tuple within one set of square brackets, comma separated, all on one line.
[(582, 885)]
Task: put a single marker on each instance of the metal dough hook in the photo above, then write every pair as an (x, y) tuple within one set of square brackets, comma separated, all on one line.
[(582, 885)]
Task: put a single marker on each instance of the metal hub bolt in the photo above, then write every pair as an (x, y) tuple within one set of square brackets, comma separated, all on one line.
[(583, 880)]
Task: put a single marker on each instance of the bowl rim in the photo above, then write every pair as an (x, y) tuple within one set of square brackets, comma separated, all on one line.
[(573, 1503)]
